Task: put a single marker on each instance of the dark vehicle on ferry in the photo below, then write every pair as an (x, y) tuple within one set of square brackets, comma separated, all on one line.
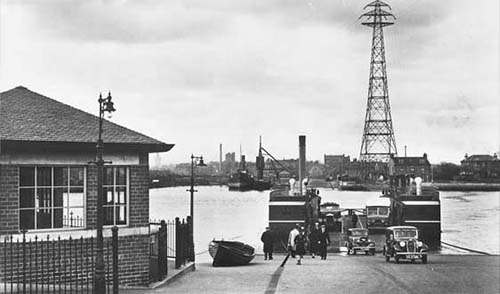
[(402, 243), (357, 240), (377, 213)]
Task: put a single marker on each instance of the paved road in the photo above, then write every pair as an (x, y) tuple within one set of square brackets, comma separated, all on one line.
[(346, 274)]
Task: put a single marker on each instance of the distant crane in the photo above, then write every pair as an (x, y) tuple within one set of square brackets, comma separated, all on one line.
[(276, 165)]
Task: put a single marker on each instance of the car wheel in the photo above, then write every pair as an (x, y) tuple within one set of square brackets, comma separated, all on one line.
[(354, 252), (366, 252), (424, 259), (372, 251), (396, 258)]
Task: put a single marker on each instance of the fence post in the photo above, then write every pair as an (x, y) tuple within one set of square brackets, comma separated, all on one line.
[(178, 243), (24, 259), (183, 238), (162, 250), (114, 241), (190, 238), (187, 253)]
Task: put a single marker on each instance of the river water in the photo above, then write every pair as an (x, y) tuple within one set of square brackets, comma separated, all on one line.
[(468, 219)]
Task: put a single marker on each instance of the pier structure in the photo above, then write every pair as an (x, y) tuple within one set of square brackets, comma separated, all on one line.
[(378, 142)]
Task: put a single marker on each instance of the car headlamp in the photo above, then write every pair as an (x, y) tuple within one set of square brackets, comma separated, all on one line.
[(419, 244), (402, 244)]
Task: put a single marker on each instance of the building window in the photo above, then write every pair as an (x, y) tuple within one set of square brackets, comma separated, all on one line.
[(116, 195), (51, 197)]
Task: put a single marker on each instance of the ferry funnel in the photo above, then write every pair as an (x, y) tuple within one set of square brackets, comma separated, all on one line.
[(302, 161)]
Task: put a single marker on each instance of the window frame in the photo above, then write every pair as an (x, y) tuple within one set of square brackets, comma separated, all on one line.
[(36, 206), (127, 195)]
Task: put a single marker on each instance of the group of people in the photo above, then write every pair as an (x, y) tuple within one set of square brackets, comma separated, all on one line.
[(317, 240), (298, 242)]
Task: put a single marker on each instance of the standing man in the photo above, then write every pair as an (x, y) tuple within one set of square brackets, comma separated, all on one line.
[(291, 240), (268, 239), (314, 240), (323, 241)]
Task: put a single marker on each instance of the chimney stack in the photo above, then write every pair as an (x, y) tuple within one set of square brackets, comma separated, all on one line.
[(220, 158), (302, 161)]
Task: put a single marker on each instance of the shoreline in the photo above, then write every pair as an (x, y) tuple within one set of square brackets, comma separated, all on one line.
[(456, 186), (466, 187)]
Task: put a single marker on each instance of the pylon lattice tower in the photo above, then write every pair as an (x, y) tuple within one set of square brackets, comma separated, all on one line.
[(378, 142)]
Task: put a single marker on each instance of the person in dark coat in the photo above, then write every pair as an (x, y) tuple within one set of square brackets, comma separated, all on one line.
[(268, 239), (300, 245), (354, 220), (323, 241), (313, 240)]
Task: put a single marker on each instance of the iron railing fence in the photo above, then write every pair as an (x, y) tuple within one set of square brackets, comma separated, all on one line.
[(169, 239), (55, 265), (154, 228)]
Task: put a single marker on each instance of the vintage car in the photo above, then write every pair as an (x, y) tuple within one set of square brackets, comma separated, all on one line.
[(357, 240), (402, 243)]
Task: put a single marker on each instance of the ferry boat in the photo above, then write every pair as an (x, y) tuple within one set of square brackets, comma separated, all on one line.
[(414, 205), (286, 209), (287, 204)]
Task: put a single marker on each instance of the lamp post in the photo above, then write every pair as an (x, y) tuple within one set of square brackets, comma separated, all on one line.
[(195, 161), (105, 105)]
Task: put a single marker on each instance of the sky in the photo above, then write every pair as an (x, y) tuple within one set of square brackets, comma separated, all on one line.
[(199, 73)]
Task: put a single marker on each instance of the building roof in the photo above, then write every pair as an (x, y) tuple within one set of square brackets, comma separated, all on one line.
[(480, 157), (29, 117), (410, 160)]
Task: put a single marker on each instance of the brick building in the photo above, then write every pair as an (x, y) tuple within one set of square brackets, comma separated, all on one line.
[(336, 165), (48, 184), (413, 166), (481, 166)]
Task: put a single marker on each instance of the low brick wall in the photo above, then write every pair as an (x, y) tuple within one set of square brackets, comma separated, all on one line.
[(71, 262)]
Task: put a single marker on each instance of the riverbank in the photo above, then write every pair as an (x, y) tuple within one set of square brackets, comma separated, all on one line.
[(465, 187)]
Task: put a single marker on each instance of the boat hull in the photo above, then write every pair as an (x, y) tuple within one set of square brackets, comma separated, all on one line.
[(230, 253)]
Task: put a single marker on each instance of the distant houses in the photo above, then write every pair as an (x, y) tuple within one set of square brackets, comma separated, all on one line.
[(481, 166), (410, 166)]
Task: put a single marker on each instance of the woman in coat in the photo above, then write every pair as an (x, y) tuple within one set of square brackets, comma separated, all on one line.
[(300, 245)]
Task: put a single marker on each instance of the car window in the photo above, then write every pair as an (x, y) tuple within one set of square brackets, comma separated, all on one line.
[(359, 233), (405, 233)]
